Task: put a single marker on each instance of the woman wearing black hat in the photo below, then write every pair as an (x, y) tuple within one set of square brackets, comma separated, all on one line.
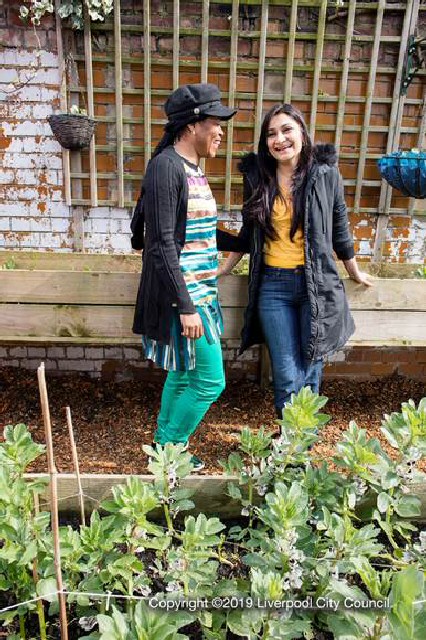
[(294, 218), (177, 309)]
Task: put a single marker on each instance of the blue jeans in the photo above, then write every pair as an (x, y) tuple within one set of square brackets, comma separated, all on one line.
[(285, 316)]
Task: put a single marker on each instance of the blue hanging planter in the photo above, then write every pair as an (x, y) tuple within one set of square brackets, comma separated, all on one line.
[(405, 171)]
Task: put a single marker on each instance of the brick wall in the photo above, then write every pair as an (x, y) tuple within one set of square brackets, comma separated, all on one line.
[(125, 362), (33, 214)]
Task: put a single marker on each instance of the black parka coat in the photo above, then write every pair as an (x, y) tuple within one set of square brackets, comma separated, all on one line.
[(326, 229), (161, 233)]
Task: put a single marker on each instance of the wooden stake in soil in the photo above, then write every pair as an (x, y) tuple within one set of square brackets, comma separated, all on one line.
[(76, 465), (53, 499)]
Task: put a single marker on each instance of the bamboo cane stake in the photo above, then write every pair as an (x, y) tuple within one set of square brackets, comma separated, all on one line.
[(39, 605), (261, 74), (176, 28), (147, 81), (290, 54), (53, 500), (119, 102), (63, 101), (345, 73), (90, 105), (76, 465), (368, 104), (318, 63), (231, 100)]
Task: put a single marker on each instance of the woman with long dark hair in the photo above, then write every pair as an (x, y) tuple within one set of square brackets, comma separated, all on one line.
[(177, 308), (294, 218)]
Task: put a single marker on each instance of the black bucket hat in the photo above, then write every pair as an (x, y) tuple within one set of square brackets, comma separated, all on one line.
[(193, 100)]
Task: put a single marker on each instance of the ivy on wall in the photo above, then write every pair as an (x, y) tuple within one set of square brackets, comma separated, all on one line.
[(33, 10)]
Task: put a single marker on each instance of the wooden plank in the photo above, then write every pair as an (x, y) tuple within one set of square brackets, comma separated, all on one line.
[(390, 326), (89, 321), (210, 492), (317, 71), (290, 53), (56, 287), (90, 105), (147, 80), (106, 262), (118, 103), (388, 295), (51, 261), (176, 44), (120, 288), (261, 71), (368, 105), (63, 101), (231, 101), (205, 40), (345, 73)]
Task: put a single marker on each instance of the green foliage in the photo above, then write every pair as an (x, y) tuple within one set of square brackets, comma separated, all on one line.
[(302, 539), (421, 272), (34, 10)]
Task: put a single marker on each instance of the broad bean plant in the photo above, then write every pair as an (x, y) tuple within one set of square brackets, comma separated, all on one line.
[(318, 547)]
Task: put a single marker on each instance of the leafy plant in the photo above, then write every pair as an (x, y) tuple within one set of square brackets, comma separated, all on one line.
[(343, 545), (98, 10)]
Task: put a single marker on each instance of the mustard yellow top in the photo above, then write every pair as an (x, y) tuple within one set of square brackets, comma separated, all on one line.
[(282, 252)]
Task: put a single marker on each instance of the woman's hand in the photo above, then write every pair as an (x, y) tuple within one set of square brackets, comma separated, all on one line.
[(223, 271), (192, 326), (227, 265), (355, 274), (362, 278)]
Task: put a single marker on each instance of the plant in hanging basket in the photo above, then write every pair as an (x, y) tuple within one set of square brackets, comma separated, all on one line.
[(72, 130), (405, 171)]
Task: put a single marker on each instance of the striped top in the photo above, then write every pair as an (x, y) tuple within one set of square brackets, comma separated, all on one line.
[(198, 262)]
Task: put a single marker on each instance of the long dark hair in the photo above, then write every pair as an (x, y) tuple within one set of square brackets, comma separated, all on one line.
[(260, 204)]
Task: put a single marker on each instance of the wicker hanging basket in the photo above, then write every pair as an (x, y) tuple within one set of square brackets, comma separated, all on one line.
[(72, 131), (405, 171)]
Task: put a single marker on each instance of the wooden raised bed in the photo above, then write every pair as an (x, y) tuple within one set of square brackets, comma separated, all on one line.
[(89, 299), (82, 298), (209, 492)]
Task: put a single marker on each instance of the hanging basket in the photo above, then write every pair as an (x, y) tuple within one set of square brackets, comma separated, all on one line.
[(72, 131), (405, 171)]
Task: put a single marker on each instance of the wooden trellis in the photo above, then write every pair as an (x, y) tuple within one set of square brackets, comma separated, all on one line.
[(356, 105)]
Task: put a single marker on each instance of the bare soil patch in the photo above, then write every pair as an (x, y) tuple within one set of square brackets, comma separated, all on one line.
[(113, 420)]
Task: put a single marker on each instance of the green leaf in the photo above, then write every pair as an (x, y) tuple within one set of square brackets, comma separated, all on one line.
[(408, 506), (47, 589), (407, 587), (383, 502)]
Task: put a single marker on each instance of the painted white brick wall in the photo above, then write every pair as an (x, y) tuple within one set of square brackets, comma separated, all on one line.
[(33, 214)]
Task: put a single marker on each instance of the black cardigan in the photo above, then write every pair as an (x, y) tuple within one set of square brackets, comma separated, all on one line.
[(162, 286)]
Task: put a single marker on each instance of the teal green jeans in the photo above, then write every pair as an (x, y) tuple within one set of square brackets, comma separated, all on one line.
[(187, 395)]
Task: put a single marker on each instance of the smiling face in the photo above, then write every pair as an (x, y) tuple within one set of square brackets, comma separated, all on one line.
[(284, 139), (207, 137)]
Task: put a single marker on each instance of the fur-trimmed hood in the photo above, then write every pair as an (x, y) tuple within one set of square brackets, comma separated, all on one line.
[(324, 154)]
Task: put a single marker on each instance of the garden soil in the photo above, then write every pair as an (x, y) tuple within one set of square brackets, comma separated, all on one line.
[(113, 420)]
